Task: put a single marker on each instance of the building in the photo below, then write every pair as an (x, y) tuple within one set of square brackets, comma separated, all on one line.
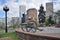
[(49, 9), (2, 21), (32, 13), (22, 10), (2, 25), (15, 20)]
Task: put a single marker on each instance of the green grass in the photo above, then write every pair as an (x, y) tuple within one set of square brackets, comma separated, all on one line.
[(11, 34)]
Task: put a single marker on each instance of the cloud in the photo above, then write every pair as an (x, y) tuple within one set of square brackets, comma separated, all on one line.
[(37, 3), (13, 8), (14, 5), (56, 7), (1, 7)]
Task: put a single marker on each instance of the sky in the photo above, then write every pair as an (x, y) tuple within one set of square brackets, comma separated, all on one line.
[(14, 6)]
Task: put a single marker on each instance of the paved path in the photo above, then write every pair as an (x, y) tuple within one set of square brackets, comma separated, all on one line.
[(47, 30)]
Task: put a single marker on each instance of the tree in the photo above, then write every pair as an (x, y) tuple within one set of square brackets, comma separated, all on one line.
[(23, 18), (58, 15), (41, 15), (50, 21)]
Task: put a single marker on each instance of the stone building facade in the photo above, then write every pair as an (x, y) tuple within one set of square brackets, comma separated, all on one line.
[(32, 13)]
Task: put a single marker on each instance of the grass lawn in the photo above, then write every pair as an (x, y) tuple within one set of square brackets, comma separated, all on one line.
[(11, 34)]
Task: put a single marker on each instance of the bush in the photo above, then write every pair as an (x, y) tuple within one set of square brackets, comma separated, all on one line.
[(46, 22), (14, 26)]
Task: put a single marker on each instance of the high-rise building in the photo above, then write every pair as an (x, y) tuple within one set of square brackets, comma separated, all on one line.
[(22, 10), (49, 9)]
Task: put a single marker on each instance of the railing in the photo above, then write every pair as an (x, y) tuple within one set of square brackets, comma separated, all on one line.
[(34, 36)]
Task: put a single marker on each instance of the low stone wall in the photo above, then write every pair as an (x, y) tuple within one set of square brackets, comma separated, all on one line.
[(33, 36)]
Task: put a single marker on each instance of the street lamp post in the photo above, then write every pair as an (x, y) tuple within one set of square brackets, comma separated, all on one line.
[(6, 9)]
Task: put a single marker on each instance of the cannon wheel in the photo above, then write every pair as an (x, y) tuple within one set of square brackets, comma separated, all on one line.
[(23, 27), (31, 30), (28, 29)]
